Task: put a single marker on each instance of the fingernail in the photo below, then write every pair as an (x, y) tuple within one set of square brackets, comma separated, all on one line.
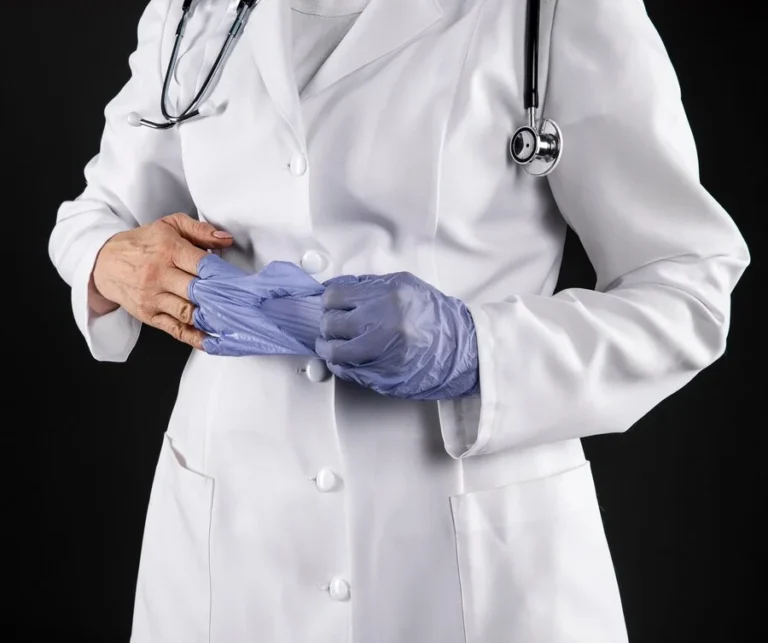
[(220, 234)]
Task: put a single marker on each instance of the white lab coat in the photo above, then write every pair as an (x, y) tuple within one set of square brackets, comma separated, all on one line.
[(290, 507)]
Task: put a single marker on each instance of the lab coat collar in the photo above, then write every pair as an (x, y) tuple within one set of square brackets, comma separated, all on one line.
[(384, 26), (268, 33)]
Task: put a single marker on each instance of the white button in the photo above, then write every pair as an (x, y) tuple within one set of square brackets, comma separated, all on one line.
[(298, 165), (339, 589), (326, 480), (317, 370), (313, 262)]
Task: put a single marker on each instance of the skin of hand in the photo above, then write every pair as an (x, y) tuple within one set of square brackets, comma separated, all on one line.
[(147, 271)]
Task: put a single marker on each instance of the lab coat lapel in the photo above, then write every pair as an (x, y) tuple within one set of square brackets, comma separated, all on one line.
[(268, 34), (384, 26)]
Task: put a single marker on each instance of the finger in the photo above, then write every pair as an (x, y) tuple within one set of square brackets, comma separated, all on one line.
[(176, 282), (344, 295), (178, 330), (177, 307), (342, 324), (352, 352), (325, 349), (350, 279), (342, 279), (200, 322), (349, 374), (187, 257), (390, 386), (198, 233)]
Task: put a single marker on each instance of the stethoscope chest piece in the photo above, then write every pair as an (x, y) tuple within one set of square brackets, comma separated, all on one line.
[(537, 150)]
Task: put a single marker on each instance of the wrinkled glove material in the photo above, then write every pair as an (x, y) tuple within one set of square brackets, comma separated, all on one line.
[(275, 311), (399, 336), (394, 334)]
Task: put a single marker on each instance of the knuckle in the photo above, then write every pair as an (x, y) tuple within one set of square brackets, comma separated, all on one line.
[(332, 354), (186, 312), (163, 225), (176, 329), (144, 310), (170, 225), (401, 295), (325, 323), (157, 320), (327, 298), (172, 251), (189, 336)]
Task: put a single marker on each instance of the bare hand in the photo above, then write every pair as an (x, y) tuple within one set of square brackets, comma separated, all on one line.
[(147, 271)]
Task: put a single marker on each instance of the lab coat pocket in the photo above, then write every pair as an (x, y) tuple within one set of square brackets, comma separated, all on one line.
[(173, 589), (534, 563)]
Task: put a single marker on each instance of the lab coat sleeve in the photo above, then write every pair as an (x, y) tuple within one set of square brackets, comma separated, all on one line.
[(135, 177), (666, 255)]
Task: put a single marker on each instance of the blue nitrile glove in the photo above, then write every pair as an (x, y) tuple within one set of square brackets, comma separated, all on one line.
[(399, 336), (276, 311)]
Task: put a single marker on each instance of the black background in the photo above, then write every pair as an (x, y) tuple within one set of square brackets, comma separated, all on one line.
[(682, 491)]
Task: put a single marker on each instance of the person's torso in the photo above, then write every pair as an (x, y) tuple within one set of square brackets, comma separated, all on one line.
[(394, 158)]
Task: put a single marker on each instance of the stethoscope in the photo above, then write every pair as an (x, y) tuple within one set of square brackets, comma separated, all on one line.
[(536, 147), (196, 107)]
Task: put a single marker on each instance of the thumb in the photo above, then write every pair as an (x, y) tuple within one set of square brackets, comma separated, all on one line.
[(198, 233)]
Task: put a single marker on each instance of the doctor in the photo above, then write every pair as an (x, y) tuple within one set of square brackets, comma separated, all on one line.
[(293, 504)]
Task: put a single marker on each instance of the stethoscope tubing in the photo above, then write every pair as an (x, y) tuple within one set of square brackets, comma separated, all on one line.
[(536, 146), (193, 109)]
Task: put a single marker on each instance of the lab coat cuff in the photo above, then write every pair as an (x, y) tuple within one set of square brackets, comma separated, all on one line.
[(110, 337), (466, 423)]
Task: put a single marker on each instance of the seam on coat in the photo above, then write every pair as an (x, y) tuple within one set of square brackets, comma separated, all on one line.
[(214, 390), (716, 315), (612, 287), (210, 566), (458, 569), (440, 155)]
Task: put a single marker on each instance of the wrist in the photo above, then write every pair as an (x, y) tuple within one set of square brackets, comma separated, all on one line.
[(97, 302)]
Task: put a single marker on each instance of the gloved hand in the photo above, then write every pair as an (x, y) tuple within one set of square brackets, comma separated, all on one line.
[(276, 311), (399, 336)]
